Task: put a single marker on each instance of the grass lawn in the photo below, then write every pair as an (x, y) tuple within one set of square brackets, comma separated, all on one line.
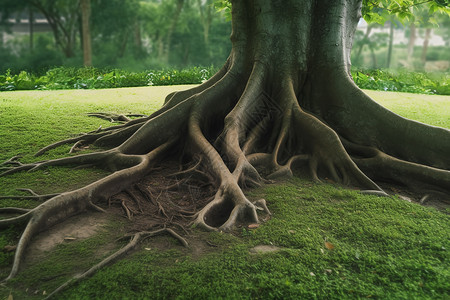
[(332, 243)]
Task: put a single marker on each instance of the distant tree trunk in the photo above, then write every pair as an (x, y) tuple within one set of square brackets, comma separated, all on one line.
[(160, 46), (426, 41), (374, 58), (366, 36), (186, 55), (63, 24), (412, 41), (86, 37), (123, 44), (391, 40), (206, 16), (31, 23), (172, 27), (137, 39)]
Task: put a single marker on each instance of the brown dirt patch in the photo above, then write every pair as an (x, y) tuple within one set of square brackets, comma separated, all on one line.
[(76, 228)]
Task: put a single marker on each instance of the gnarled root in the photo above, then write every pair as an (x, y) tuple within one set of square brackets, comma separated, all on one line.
[(232, 131), (134, 241)]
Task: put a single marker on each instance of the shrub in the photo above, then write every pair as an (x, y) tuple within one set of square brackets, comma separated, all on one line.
[(94, 78), (403, 81)]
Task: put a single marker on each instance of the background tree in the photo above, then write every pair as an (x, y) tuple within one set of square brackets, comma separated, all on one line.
[(373, 42), (86, 32), (284, 99), (63, 18), (113, 23)]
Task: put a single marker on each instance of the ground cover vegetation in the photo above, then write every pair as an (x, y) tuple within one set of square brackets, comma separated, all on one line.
[(284, 102), (94, 78), (333, 243)]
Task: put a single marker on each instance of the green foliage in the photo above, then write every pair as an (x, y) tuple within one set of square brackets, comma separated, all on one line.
[(223, 6), (379, 11), (187, 76), (403, 81), (93, 78)]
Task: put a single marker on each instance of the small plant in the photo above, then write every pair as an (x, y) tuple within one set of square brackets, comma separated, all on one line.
[(403, 81)]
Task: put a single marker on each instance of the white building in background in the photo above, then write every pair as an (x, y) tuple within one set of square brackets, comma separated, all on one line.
[(21, 26)]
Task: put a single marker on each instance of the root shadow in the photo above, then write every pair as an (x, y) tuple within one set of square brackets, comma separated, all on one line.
[(219, 213)]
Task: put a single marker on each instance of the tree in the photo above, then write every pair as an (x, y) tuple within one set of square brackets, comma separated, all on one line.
[(63, 18), (373, 42), (284, 99), (114, 22), (86, 32)]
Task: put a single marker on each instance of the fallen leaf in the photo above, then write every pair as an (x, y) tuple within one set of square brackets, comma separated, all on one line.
[(329, 246), (148, 249), (69, 239), (253, 226), (291, 231), (44, 293), (329, 271), (312, 274), (321, 250)]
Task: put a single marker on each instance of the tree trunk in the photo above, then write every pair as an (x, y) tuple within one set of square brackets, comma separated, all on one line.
[(206, 17), (411, 43), (374, 58), (172, 28), (283, 100), (365, 38), (426, 41), (86, 36), (31, 23), (137, 39), (123, 45), (63, 25), (391, 41)]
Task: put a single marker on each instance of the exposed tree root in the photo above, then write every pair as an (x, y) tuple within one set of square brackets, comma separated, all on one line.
[(135, 239), (115, 117), (237, 130)]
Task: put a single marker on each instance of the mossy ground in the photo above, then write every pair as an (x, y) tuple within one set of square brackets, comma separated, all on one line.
[(335, 243)]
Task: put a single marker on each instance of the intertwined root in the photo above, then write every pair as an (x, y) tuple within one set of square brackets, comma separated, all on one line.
[(233, 134)]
